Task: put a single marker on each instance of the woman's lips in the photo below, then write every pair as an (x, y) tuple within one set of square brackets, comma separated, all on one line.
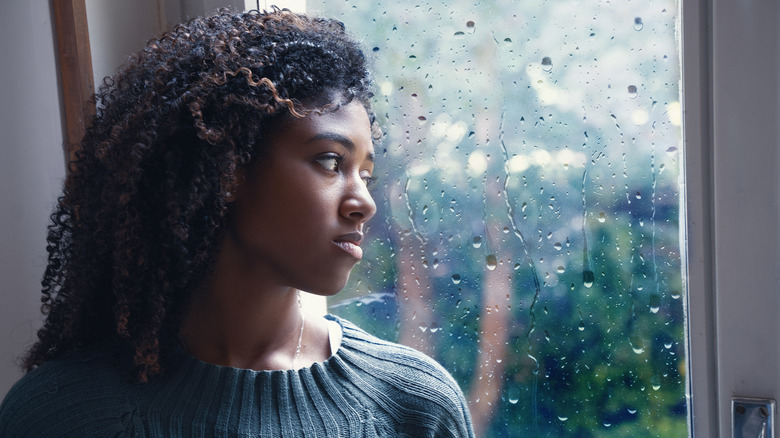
[(350, 248), (350, 243)]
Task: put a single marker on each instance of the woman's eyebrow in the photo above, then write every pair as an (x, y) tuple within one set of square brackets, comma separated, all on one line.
[(339, 138)]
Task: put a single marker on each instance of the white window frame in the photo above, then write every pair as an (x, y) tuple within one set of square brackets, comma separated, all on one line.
[(731, 66)]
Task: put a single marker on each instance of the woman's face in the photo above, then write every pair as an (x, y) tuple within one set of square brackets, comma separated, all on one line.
[(299, 212)]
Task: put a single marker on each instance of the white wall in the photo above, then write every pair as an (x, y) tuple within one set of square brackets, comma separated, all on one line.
[(119, 28), (32, 169)]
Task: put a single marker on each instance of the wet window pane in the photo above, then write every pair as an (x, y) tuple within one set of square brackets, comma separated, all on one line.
[(528, 234)]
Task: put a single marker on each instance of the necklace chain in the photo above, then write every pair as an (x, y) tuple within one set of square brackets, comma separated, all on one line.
[(297, 347), (300, 336)]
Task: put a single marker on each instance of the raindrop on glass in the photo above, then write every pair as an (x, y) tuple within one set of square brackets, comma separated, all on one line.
[(562, 418), (476, 242), (587, 278), (456, 278), (655, 382), (655, 303), (546, 63), (632, 91), (638, 25), (513, 395), (491, 262), (676, 295)]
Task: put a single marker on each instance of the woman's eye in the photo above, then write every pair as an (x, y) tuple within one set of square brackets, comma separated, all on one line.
[(330, 162), (369, 180)]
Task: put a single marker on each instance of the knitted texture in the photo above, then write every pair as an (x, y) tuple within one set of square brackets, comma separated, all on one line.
[(369, 388)]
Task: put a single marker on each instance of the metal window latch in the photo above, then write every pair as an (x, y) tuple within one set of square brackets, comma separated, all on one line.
[(752, 417)]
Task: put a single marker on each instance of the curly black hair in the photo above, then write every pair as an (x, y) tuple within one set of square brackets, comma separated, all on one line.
[(147, 198)]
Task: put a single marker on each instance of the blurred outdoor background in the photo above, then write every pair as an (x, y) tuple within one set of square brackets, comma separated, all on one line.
[(528, 234)]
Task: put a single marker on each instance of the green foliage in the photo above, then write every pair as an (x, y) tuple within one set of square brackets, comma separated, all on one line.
[(543, 137)]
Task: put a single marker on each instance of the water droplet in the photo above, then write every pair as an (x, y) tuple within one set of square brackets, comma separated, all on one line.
[(561, 269), (422, 119), (546, 63), (524, 206), (655, 303), (638, 195), (632, 91), (434, 327), (638, 24), (602, 217), (562, 418), (607, 424), (587, 278), (491, 262), (655, 383), (581, 326), (423, 328), (547, 336), (476, 242), (667, 345), (675, 294), (557, 245), (456, 278), (631, 411), (513, 395), (425, 209), (470, 26), (636, 345), (459, 34)]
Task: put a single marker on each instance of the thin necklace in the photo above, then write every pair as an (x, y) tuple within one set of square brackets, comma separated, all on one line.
[(300, 336)]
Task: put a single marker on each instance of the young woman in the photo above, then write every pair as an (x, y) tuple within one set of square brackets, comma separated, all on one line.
[(225, 172)]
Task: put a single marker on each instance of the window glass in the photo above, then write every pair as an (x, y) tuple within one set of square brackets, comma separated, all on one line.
[(528, 233)]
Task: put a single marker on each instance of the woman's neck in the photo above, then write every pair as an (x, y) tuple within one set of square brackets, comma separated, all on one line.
[(242, 321)]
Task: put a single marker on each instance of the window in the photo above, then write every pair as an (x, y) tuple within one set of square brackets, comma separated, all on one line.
[(528, 236)]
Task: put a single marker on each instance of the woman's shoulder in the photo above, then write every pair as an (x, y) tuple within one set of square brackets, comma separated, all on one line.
[(385, 353), (50, 399), (403, 378)]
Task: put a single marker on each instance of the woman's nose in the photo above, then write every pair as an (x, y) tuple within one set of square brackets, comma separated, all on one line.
[(358, 204)]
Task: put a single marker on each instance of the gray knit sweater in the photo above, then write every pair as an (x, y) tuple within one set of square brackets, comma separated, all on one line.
[(368, 388)]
